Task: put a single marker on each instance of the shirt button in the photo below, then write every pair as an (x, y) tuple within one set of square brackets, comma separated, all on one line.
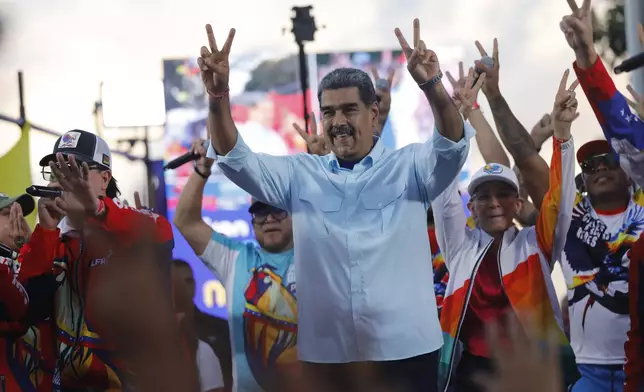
[(379, 204)]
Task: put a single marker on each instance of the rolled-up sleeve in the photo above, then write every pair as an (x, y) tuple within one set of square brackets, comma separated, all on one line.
[(438, 161), (266, 177)]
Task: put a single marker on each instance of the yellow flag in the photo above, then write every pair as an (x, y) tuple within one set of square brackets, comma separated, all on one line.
[(15, 170)]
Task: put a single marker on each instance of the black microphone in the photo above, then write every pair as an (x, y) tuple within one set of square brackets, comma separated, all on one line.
[(7, 252), (631, 64), (43, 191), (183, 159)]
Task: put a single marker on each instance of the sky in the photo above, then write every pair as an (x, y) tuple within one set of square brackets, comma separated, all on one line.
[(67, 47)]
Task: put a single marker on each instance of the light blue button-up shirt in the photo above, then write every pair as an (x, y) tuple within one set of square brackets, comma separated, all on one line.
[(362, 260)]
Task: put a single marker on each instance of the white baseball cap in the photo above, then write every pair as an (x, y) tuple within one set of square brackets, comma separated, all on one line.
[(493, 172), (84, 146)]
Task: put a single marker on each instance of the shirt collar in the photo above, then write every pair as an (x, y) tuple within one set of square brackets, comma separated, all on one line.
[(374, 155)]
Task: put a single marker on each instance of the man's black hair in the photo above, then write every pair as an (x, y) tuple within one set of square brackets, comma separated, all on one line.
[(180, 263), (349, 77), (112, 190)]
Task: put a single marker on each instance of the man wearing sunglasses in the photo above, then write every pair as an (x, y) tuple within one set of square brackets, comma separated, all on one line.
[(69, 243), (259, 283), (606, 221)]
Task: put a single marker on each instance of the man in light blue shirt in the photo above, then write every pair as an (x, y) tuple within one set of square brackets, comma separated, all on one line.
[(361, 250)]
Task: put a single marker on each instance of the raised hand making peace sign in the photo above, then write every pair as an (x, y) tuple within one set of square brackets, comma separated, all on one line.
[(422, 63), (467, 94), (564, 111), (491, 87), (578, 27), (214, 64), (315, 142)]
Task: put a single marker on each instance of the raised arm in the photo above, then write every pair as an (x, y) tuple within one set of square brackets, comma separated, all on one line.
[(217, 251), (556, 211), (514, 136), (266, 177), (489, 145), (424, 68), (450, 222)]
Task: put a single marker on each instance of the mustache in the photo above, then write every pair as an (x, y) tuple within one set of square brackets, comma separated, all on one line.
[(340, 130)]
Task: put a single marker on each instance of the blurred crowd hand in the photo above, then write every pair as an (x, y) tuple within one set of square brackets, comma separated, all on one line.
[(542, 130), (467, 94), (315, 142), (422, 63), (203, 164), (491, 88), (131, 307), (524, 364), (215, 65), (457, 84), (19, 229), (79, 199), (578, 30), (49, 215), (565, 107), (383, 91)]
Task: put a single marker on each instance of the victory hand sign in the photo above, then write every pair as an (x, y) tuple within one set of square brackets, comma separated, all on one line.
[(467, 94), (422, 63), (578, 30), (316, 143), (214, 64), (565, 108)]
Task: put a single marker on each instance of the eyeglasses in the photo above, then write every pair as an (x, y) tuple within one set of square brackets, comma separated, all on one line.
[(596, 162), (260, 217), (48, 176), (486, 197)]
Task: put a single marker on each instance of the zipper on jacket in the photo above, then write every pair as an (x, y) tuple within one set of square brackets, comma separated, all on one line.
[(464, 309), (498, 262)]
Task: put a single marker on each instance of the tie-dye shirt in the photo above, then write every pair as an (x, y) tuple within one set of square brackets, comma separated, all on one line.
[(262, 312), (595, 263)]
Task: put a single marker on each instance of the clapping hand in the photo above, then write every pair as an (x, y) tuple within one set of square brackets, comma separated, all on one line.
[(19, 230), (316, 143), (422, 63), (564, 111), (214, 64), (491, 87), (468, 93), (79, 199)]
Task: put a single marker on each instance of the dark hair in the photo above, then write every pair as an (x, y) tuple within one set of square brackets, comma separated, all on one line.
[(112, 190), (349, 77), (180, 263)]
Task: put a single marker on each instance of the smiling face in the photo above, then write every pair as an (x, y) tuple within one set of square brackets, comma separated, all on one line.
[(494, 206), (603, 176), (273, 229), (348, 123)]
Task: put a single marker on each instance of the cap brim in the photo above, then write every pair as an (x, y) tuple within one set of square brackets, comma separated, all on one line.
[(256, 206), (26, 202), (487, 178), (79, 157), (592, 148)]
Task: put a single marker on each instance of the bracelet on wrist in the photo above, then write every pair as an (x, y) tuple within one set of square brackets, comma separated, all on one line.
[(202, 175), (219, 95), (476, 106)]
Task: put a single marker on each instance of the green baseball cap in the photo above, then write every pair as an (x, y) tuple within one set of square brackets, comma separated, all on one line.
[(26, 202)]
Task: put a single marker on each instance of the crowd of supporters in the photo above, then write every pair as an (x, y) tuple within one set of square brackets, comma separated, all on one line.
[(92, 299)]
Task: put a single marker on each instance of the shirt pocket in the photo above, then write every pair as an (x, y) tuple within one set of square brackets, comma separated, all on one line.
[(383, 202), (319, 209)]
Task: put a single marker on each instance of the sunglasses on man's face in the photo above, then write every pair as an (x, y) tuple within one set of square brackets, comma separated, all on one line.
[(48, 176), (260, 217), (595, 163)]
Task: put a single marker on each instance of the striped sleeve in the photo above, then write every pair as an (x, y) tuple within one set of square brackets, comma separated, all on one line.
[(556, 211)]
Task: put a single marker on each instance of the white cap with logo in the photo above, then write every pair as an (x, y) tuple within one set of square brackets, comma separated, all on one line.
[(493, 172)]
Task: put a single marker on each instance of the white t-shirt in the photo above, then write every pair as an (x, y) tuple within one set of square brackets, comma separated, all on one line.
[(209, 368)]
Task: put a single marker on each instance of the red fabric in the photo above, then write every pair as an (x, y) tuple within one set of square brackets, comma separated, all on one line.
[(634, 366), (597, 85), (12, 294), (488, 302)]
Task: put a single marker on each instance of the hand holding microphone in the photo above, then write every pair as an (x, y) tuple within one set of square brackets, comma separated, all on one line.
[(203, 164), (190, 156)]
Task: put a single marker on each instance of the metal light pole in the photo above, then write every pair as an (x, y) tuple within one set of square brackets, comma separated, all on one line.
[(634, 14)]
